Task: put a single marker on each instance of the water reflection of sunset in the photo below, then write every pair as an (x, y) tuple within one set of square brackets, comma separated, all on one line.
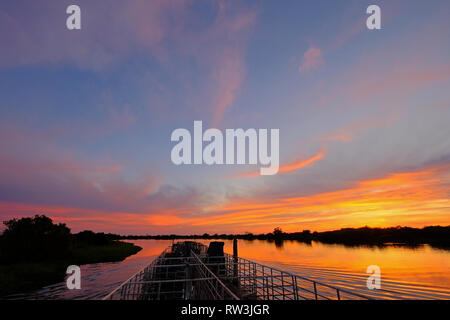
[(422, 264), (149, 251), (414, 269)]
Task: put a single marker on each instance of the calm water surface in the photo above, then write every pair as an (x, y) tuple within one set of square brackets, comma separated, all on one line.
[(421, 272)]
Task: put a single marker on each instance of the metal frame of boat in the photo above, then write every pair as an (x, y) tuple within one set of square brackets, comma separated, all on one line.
[(184, 271)]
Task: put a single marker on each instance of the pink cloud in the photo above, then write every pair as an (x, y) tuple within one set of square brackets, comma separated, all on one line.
[(121, 117), (225, 58), (351, 131), (312, 58), (113, 32), (229, 75), (35, 169), (399, 82), (110, 31)]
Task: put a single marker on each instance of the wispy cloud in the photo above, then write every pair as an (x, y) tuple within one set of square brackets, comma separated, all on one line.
[(417, 198), (226, 58), (43, 38), (350, 132), (302, 163), (312, 58), (290, 167)]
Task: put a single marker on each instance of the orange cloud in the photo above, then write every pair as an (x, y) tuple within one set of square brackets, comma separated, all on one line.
[(291, 166), (302, 163), (415, 198), (338, 137), (165, 220), (411, 198)]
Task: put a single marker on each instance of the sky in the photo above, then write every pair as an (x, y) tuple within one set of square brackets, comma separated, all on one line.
[(86, 115)]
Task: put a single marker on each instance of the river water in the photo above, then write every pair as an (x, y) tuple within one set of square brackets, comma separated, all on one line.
[(421, 272)]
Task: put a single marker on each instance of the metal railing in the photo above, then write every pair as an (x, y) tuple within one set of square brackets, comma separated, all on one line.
[(212, 288), (174, 278), (260, 282), (197, 276)]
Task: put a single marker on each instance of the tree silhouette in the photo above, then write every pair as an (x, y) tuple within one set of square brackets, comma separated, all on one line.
[(34, 239), (277, 232)]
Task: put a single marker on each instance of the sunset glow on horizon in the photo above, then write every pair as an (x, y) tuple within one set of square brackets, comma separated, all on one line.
[(364, 115), (413, 199)]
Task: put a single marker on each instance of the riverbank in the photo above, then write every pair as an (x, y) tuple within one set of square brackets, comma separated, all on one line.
[(436, 236), (21, 277)]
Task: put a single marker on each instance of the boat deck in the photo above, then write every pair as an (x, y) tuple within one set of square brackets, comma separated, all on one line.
[(185, 271)]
